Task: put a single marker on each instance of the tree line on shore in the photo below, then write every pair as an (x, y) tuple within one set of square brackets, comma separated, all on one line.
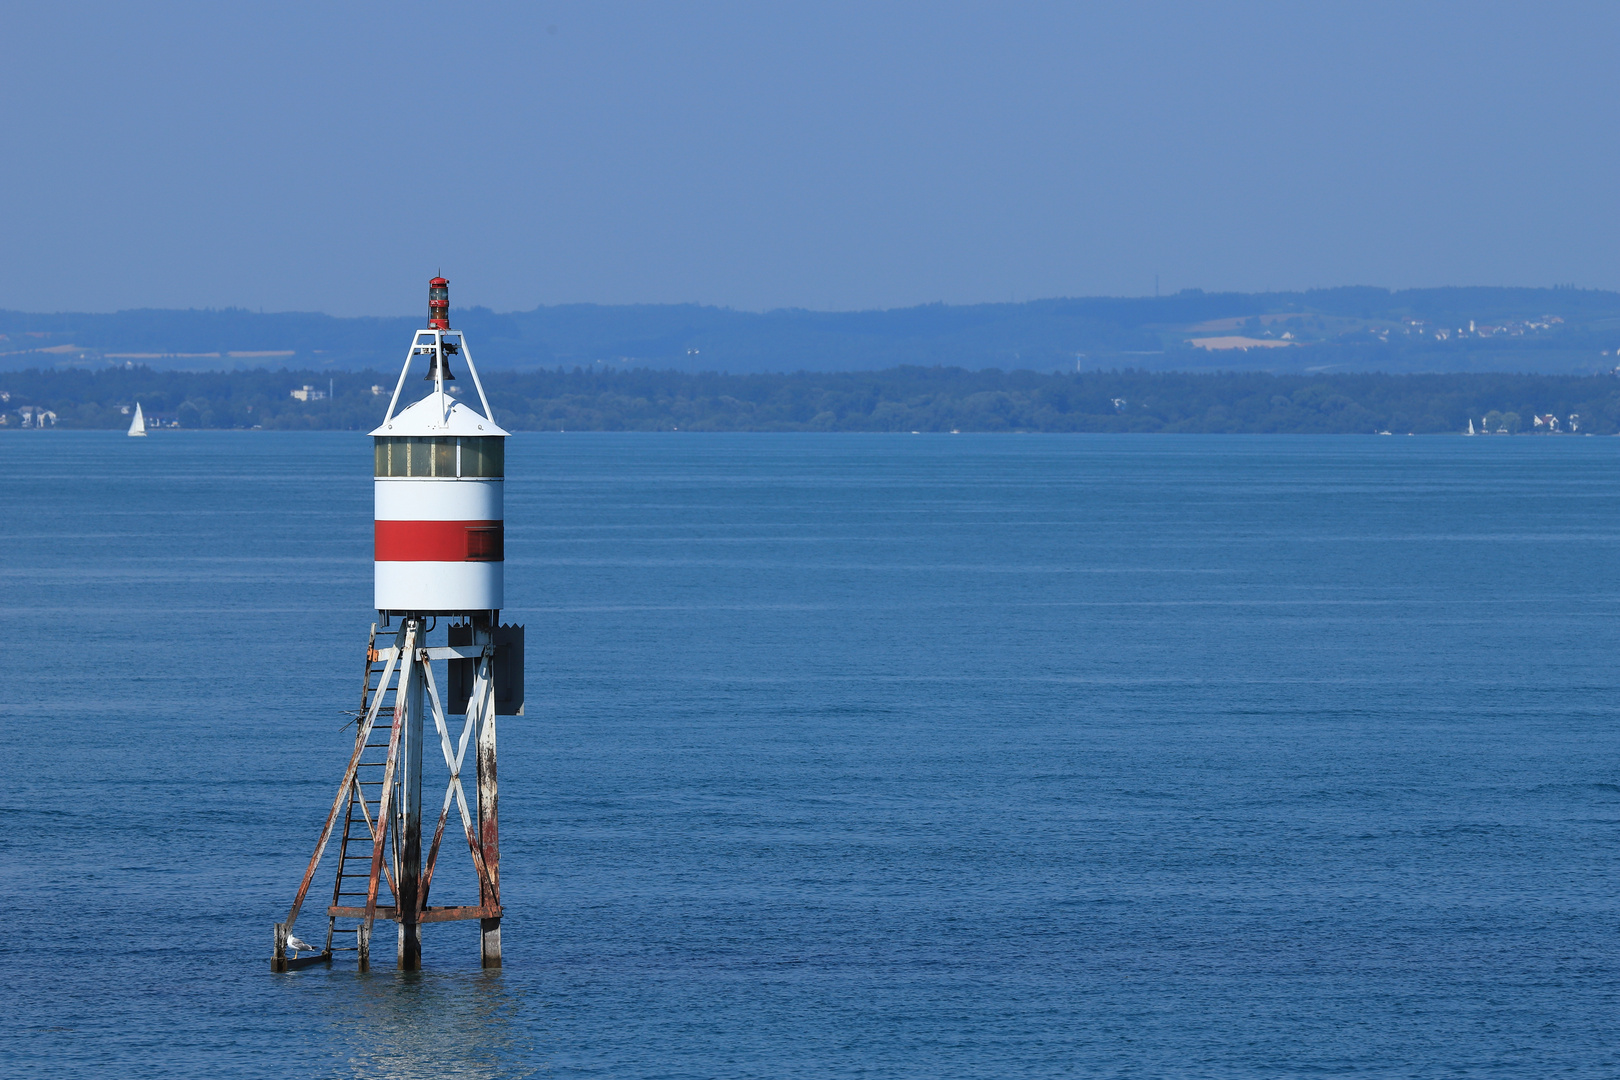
[(898, 399)]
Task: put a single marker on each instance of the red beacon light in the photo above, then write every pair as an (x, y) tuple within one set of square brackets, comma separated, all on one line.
[(439, 303)]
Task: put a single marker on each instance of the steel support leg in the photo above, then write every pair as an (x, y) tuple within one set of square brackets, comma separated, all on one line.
[(489, 942), (410, 835), (489, 838)]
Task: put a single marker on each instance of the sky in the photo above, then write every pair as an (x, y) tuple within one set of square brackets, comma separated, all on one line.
[(331, 157)]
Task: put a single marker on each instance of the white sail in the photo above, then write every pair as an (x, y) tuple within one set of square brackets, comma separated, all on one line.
[(1470, 425), (137, 426)]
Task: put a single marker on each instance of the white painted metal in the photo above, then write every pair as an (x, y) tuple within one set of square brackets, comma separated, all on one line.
[(472, 369), (458, 652), (442, 587), (450, 586), (435, 344), (399, 498), (439, 652), (440, 414), (400, 384), (454, 761)]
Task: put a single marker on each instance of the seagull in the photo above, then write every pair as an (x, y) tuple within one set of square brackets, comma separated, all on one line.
[(298, 945)]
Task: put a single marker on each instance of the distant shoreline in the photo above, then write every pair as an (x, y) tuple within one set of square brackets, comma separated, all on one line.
[(899, 400)]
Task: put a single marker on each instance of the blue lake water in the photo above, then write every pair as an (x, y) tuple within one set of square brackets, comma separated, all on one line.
[(844, 756)]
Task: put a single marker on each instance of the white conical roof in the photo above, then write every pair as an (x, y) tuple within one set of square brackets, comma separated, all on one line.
[(439, 414)]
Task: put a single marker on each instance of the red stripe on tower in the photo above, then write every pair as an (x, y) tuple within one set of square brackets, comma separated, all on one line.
[(440, 541)]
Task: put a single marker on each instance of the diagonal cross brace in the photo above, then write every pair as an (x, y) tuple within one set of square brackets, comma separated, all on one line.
[(453, 761), (387, 791)]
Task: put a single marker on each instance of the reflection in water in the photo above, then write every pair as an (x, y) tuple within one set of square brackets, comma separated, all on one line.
[(430, 1025)]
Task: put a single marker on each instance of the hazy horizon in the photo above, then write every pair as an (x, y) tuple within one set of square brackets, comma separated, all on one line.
[(790, 308), (836, 158)]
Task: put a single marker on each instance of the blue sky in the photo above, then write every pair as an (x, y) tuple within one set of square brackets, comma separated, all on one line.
[(331, 157)]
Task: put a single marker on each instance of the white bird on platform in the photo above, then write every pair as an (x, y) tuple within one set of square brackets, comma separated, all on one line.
[(298, 945)]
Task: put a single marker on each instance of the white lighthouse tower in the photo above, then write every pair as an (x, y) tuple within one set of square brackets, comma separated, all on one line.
[(440, 473), (441, 468)]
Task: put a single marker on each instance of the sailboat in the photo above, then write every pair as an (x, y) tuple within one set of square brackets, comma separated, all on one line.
[(137, 426), (1470, 425)]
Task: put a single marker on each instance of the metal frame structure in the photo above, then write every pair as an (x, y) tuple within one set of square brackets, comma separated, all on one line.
[(438, 351), (380, 869), (390, 821)]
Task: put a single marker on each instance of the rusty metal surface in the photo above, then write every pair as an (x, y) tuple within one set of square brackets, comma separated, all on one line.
[(337, 804), (433, 853), (409, 841), (396, 828), (409, 631), (361, 734), (489, 845), (426, 915)]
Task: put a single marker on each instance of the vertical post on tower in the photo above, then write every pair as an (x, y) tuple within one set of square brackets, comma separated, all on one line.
[(410, 805), (489, 840)]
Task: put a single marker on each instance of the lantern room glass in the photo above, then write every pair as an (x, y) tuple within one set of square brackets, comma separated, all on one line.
[(466, 457)]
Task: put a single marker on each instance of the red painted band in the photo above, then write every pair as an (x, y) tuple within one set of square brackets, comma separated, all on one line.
[(440, 541)]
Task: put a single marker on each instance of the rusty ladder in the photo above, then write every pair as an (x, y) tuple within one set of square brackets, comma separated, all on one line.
[(360, 822)]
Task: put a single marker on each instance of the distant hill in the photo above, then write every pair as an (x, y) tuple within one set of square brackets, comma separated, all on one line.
[(1558, 330)]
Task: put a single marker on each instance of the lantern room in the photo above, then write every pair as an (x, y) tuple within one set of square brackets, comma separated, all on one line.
[(438, 482)]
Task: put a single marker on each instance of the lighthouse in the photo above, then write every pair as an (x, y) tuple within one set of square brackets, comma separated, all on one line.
[(440, 475), (439, 556)]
